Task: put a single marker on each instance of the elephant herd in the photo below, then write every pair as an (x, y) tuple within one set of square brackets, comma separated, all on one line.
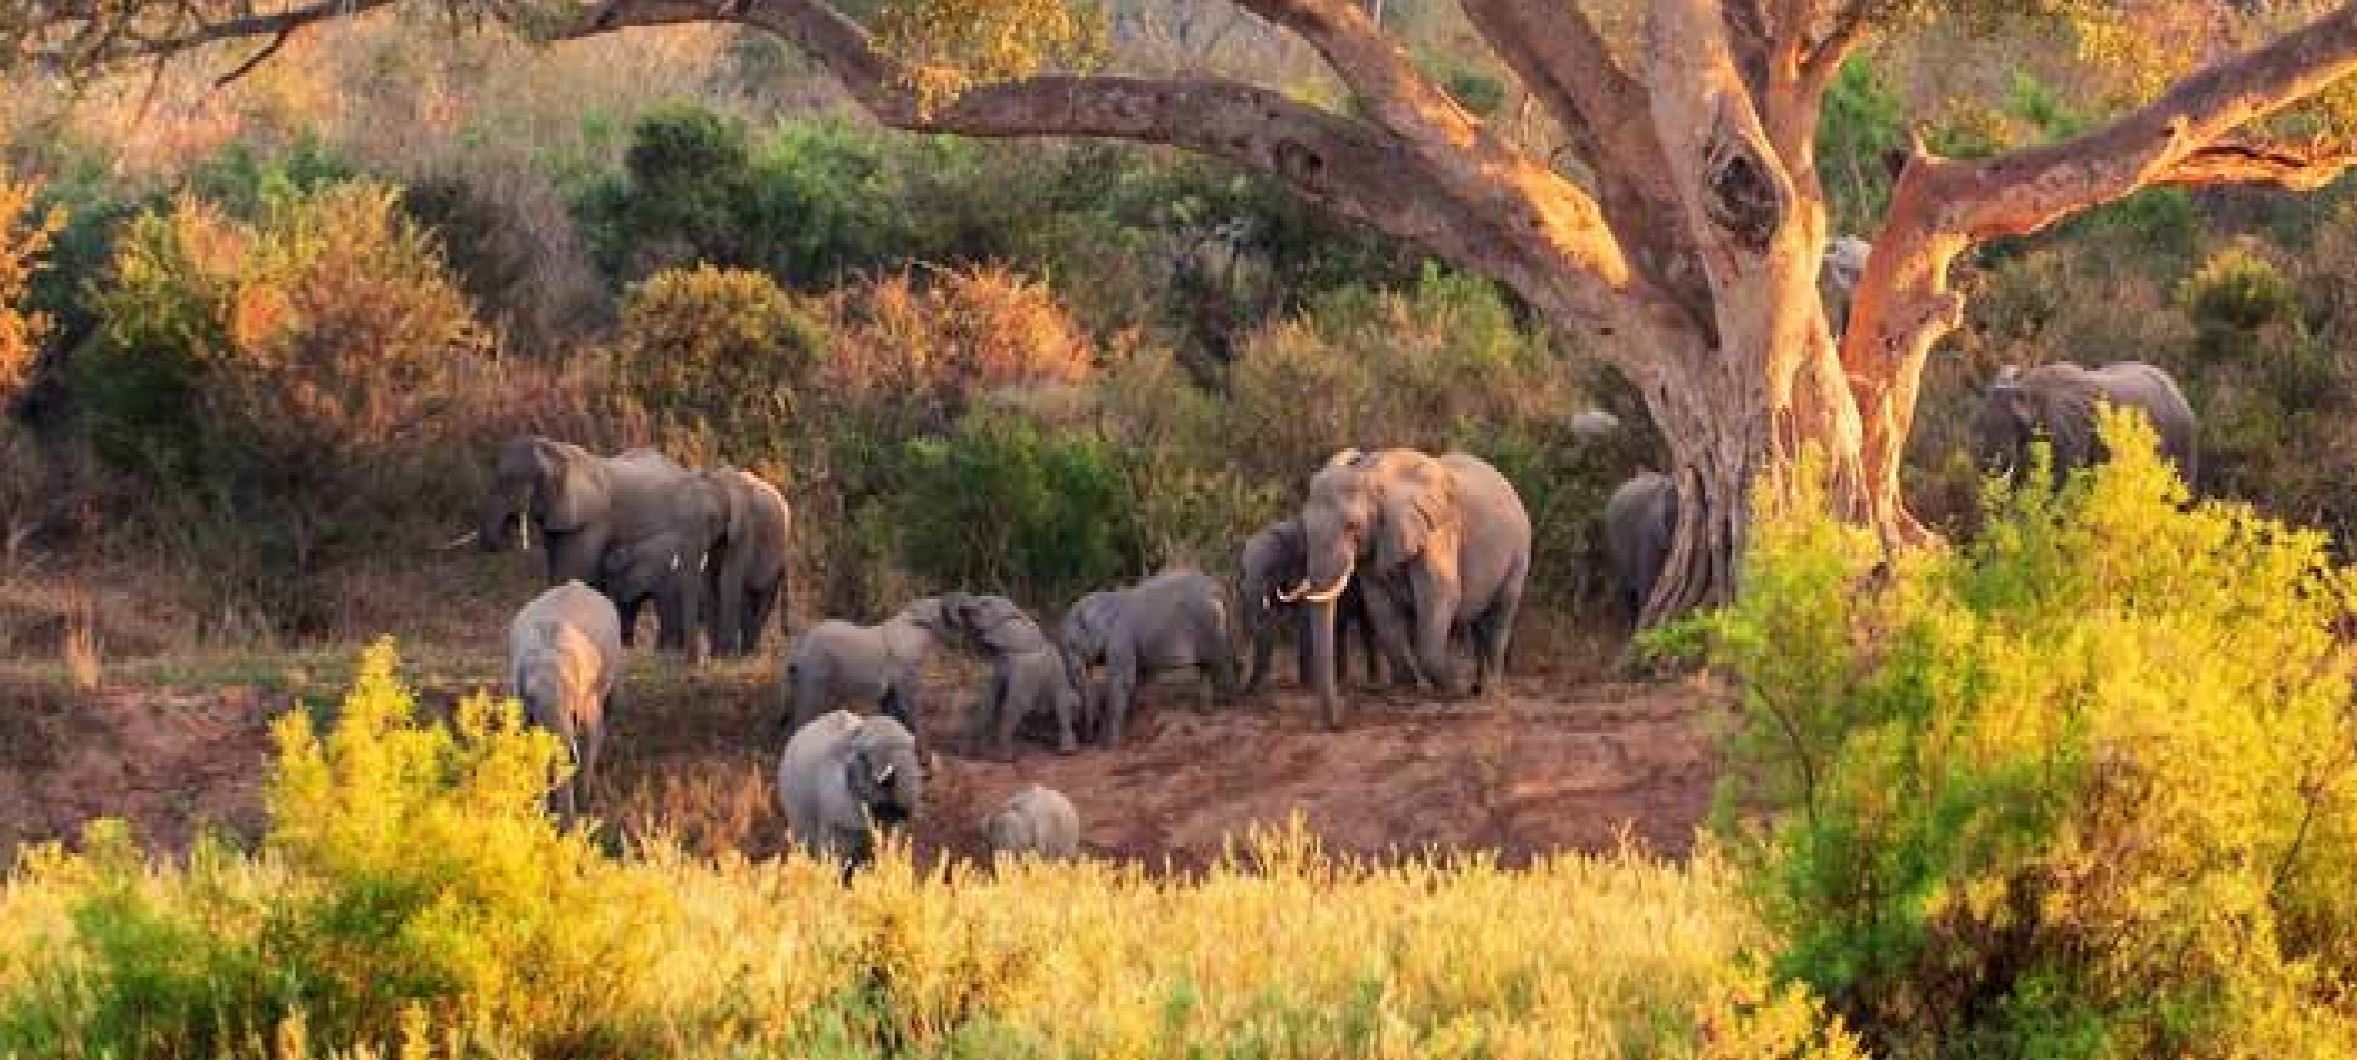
[(1408, 553), (1412, 553)]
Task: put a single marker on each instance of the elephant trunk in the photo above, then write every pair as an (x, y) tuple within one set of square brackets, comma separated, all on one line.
[(1321, 631)]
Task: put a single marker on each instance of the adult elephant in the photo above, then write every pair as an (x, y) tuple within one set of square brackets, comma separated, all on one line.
[(1640, 519), (748, 568), (594, 516), (1444, 539), (2057, 402)]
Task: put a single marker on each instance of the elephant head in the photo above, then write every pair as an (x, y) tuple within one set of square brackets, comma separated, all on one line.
[(2022, 408), (1273, 562), (556, 485), (1375, 515), (1838, 273), (882, 772)]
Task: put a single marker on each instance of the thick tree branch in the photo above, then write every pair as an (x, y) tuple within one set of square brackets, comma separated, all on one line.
[(1822, 59), (2175, 139), (1501, 215), (104, 33), (1564, 61), (2303, 167)]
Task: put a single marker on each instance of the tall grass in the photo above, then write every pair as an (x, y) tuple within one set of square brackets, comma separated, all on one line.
[(410, 895)]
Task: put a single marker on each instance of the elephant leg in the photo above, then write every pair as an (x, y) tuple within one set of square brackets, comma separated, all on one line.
[(1436, 608), (1067, 705), (1383, 614), (1305, 645), (574, 555), (1369, 648), (727, 608), (1121, 681), (588, 768), (628, 609), (758, 605), (900, 705), (994, 703), (1016, 703), (1223, 669), (1264, 649), (1494, 636)]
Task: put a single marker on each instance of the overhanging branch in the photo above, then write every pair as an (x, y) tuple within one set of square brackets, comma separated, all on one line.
[(2180, 138)]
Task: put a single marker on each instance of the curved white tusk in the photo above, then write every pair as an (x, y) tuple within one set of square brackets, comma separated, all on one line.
[(468, 538), (1294, 594), (1325, 594)]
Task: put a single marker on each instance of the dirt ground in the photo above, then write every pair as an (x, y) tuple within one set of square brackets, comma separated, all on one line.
[(1560, 765)]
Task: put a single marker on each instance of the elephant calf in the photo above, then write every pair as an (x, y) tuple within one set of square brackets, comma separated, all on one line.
[(1038, 821), (843, 776), (837, 661), (1176, 620), (564, 660), (1028, 672)]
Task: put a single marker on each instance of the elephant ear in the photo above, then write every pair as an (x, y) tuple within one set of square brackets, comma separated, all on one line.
[(572, 493), (1419, 513)]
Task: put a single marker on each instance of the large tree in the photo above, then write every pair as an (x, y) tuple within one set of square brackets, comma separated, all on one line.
[(1678, 236)]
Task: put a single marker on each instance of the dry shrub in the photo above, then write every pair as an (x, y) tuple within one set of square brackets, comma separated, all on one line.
[(951, 335), (24, 235)]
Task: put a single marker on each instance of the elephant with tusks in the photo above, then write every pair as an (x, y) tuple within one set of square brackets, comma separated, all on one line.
[(843, 777), (564, 661), (1442, 543), (594, 515)]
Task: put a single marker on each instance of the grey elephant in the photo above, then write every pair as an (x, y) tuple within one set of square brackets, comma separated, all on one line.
[(1640, 519), (748, 568), (1274, 559), (1176, 620), (1038, 821), (842, 777), (1028, 672), (659, 569), (579, 508), (2057, 402), (1444, 541), (836, 662), (1838, 273), (564, 661)]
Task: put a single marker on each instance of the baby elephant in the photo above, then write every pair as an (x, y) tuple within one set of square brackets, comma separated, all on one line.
[(564, 659), (843, 776), (1036, 821), (1028, 673), (1176, 620), (837, 661)]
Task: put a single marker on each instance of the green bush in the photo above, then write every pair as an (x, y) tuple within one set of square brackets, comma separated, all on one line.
[(2082, 788), (722, 354), (1000, 505)]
